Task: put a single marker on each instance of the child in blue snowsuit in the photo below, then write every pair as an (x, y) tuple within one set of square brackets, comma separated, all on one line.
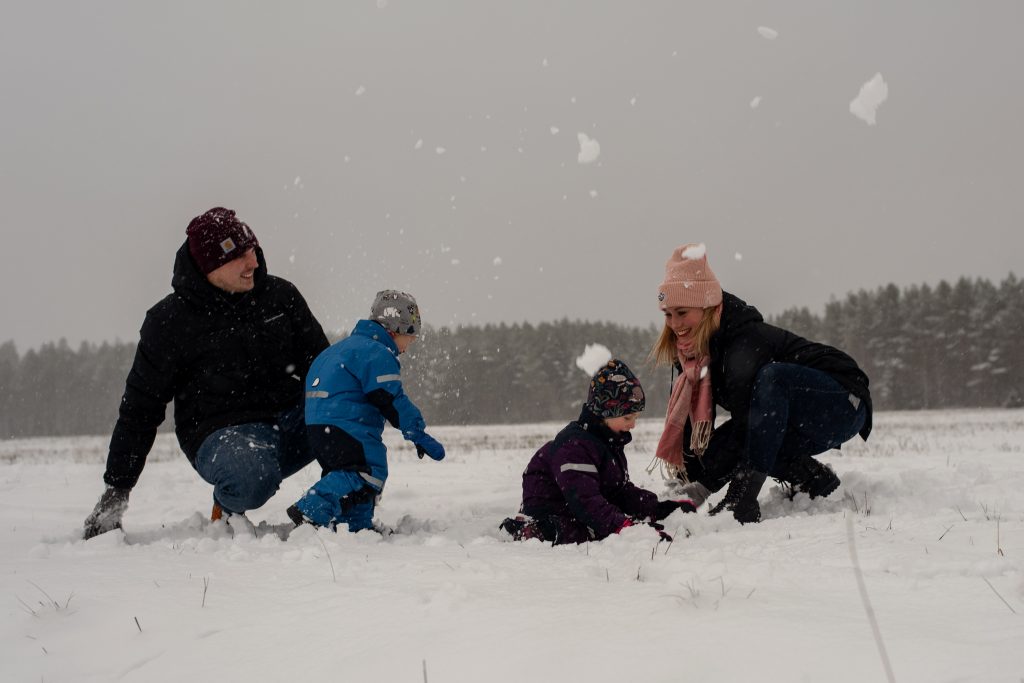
[(351, 389)]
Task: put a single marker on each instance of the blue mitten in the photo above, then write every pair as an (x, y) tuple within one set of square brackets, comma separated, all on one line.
[(428, 445)]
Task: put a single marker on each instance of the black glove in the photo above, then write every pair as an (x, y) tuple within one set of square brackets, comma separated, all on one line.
[(660, 528), (107, 513), (665, 508)]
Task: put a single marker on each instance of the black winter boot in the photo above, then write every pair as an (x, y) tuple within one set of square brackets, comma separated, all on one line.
[(741, 497), (812, 477), (520, 528), (295, 515)]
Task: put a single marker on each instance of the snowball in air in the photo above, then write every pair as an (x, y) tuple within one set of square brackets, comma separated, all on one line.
[(590, 149), (592, 358), (872, 95)]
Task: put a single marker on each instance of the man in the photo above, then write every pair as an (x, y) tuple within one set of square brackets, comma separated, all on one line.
[(231, 346)]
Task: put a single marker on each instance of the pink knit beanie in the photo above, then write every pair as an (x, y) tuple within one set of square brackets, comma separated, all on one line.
[(689, 281)]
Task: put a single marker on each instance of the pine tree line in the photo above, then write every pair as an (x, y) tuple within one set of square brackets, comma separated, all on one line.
[(951, 346), (923, 347), (58, 391)]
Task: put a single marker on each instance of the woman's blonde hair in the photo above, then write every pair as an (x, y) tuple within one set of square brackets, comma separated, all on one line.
[(664, 350)]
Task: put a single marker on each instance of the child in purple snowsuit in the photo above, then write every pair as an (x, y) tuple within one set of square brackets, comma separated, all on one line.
[(577, 488)]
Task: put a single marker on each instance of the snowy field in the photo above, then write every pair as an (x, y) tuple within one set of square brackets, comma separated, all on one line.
[(933, 506)]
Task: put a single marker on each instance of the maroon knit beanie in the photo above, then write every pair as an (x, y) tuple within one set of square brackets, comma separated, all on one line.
[(217, 237)]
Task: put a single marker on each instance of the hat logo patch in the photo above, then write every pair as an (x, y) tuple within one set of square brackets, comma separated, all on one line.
[(390, 312), (661, 296), (228, 245)]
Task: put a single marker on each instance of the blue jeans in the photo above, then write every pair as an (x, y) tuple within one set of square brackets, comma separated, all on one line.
[(246, 463), (798, 411)]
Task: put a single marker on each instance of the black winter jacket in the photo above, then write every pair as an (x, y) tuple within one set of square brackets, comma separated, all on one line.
[(224, 359), (583, 473), (744, 343)]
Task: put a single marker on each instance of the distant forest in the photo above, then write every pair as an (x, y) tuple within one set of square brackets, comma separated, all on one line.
[(948, 346)]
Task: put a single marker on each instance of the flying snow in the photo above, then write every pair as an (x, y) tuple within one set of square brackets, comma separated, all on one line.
[(756, 102), (360, 90), (871, 96), (767, 33), (590, 149), (592, 358)]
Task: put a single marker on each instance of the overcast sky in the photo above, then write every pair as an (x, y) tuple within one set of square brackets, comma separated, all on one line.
[(434, 147)]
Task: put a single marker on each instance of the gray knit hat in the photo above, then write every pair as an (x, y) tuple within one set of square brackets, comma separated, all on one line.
[(396, 311)]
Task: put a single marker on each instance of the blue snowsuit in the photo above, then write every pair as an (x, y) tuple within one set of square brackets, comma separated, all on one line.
[(351, 388)]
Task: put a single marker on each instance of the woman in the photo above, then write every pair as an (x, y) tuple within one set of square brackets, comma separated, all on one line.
[(788, 398)]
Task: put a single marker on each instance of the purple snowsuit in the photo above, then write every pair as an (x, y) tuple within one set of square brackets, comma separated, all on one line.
[(577, 486)]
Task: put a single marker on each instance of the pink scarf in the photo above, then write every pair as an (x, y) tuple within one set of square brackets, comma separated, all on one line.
[(687, 404)]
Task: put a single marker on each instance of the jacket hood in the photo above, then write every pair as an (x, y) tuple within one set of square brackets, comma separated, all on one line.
[(375, 331), (736, 313), (594, 424), (189, 283)]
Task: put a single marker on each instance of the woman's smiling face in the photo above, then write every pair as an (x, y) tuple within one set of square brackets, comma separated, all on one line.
[(682, 320)]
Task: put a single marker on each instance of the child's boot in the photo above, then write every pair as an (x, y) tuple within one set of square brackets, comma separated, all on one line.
[(520, 528)]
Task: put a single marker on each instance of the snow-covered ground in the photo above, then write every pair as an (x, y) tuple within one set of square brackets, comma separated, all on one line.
[(934, 505)]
